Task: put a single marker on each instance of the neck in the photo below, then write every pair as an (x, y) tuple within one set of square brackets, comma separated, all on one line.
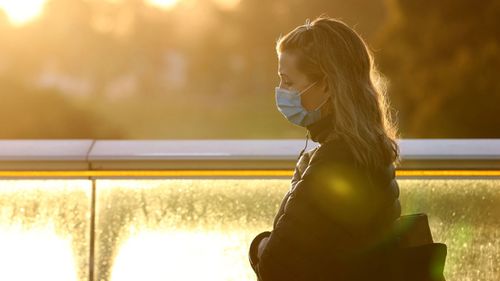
[(321, 130)]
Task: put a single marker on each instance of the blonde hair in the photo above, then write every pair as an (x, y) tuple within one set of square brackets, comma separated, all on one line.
[(330, 51)]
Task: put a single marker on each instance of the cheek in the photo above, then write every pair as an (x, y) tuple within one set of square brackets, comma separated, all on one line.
[(307, 102), (311, 100)]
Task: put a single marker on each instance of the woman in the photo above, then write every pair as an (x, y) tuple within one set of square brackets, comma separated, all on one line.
[(334, 222)]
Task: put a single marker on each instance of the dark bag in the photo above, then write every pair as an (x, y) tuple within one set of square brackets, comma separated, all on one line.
[(417, 257)]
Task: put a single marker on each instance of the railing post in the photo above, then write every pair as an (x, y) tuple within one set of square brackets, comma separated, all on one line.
[(92, 231)]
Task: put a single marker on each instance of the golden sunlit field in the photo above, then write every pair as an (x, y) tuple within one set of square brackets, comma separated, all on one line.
[(192, 229)]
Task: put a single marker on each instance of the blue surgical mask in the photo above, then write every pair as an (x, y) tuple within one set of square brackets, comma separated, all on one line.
[(289, 104)]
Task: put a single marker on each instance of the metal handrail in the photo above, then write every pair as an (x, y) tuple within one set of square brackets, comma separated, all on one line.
[(222, 158)]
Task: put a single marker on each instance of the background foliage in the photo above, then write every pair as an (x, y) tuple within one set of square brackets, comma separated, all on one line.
[(206, 69)]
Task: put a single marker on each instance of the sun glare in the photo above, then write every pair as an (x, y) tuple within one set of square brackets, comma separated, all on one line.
[(163, 4), (35, 254), (20, 12), (172, 255)]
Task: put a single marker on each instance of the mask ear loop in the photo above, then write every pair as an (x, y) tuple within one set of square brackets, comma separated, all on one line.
[(305, 90), (304, 149), (323, 103)]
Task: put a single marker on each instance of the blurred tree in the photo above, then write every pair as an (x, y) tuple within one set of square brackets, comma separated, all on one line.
[(143, 66), (46, 114), (443, 59)]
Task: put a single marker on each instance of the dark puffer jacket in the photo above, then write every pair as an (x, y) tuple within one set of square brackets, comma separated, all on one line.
[(334, 220)]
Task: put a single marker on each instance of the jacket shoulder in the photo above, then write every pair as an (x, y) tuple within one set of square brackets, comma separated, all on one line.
[(330, 155), (348, 193), (333, 150)]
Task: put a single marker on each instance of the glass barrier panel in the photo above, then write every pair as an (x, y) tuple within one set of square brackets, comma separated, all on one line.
[(465, 215), (45, 229), (181, 229), (200, 229)]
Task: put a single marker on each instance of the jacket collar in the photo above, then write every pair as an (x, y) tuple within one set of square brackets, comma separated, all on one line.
[(321, 130)]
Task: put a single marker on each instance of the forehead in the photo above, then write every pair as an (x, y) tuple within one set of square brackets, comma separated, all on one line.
[(287, 64)]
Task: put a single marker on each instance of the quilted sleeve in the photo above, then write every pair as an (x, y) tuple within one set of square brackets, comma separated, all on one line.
[(299, 168), (338, 190)]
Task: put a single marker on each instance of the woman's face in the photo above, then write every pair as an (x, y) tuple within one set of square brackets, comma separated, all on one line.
[(291, 78)]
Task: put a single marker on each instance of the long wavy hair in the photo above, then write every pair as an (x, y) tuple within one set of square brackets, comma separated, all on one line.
[(330, 51)]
